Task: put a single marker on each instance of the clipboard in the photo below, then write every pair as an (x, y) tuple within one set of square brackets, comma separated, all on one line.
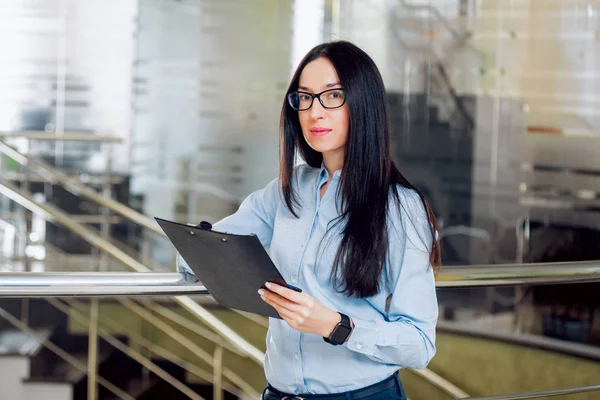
[(231, 267)]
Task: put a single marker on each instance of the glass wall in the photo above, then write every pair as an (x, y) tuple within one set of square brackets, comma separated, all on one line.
[(493, 106)]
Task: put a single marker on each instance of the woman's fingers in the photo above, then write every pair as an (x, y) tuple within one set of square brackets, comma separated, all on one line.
[(289, 294), (287, 315), (274, 299)]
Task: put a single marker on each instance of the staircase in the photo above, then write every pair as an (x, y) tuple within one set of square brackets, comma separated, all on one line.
[(143, 352), (17, 351), (54, 357), (40, 373)]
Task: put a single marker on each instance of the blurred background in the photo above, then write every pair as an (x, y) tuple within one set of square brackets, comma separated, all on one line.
[(116, 111)]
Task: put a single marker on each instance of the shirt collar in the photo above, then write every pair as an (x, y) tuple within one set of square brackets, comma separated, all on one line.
[(336, 173), (324, 175)]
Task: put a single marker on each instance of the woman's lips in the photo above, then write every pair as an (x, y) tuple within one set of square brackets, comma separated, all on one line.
[(320, 131)]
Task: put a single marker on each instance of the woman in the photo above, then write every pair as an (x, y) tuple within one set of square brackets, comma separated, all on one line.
[(351, 232)]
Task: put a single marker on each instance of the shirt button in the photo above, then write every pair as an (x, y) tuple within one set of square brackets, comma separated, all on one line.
[(338, 174), (359, 346), (297, 356), (294, 281)]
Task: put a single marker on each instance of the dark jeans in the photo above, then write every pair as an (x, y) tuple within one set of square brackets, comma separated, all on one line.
[(395, 392)]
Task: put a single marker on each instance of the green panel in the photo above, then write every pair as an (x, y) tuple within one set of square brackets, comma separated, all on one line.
[(485, 367), (418, 388), (11, 164), (249, 330), (132, 323), (478, 366)]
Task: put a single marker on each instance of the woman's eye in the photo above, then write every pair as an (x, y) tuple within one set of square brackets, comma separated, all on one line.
[(335, 95), (304, 97)]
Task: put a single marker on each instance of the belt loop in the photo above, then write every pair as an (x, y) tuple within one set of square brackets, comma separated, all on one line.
[(399, 383), (262, 396), (348, 395)]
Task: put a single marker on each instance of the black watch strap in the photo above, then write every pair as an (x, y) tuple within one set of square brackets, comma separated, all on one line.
[(341, 332)]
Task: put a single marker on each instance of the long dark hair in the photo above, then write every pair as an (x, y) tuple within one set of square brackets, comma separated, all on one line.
[(369, 176)]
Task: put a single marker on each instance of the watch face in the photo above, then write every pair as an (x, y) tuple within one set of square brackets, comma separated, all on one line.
[(340, 334)]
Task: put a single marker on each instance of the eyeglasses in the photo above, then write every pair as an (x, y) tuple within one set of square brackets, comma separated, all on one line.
[(329, 99)]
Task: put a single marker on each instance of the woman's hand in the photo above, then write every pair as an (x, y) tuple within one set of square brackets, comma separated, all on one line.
[(301, 311)]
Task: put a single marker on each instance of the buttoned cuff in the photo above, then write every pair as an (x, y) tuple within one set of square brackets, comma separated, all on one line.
[(185, 270), (363, 337)]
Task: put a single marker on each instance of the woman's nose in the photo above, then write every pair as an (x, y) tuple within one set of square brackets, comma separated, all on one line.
[(317, 110)]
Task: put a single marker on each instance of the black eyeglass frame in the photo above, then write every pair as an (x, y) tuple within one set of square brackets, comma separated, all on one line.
[(313, 96)]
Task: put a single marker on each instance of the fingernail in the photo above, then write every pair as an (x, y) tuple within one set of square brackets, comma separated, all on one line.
[(261, 292), (268, 284), (263, 297)]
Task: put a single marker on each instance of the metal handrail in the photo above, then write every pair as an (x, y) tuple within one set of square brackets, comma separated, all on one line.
[(75, 186), (439, 382), (541, 393), (105, 284), (91, 284), (78, 188), (53, 214), (67, 136), (519, 274)]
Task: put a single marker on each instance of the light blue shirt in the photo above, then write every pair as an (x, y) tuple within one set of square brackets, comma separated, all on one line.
[(388, 334)]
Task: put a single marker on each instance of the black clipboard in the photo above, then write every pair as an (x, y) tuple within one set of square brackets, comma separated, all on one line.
[(231, 267)]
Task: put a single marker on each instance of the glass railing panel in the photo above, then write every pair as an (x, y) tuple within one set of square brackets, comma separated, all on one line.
[(565, 312), (478, 353), (519, 338), (490, 341)]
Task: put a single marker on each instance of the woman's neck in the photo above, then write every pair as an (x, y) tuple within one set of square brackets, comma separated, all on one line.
[(333, 162)]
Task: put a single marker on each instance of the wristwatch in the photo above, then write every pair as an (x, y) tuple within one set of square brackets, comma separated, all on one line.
[(341, 332)]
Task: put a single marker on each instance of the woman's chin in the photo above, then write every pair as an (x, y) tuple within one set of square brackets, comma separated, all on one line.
[(322, 147)]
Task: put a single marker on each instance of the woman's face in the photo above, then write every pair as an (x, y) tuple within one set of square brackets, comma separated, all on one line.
[(325, 130)]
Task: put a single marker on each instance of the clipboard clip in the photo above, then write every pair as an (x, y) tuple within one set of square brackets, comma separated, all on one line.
[(204, 225), (207, 226)]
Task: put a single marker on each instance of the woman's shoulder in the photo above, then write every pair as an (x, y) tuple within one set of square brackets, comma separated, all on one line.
[(408, 199), (304, 173), (408, 214), (301, 173), (302, 176)]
